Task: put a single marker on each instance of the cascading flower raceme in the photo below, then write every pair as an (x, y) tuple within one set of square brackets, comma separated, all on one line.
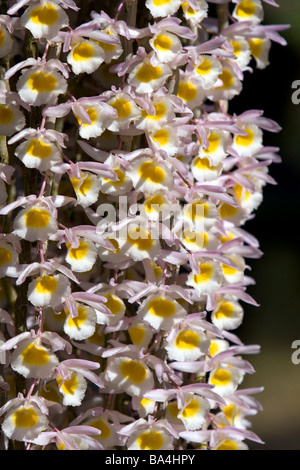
[(126, 179)]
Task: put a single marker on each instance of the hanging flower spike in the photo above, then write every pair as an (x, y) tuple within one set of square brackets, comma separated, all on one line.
[(123, 253)]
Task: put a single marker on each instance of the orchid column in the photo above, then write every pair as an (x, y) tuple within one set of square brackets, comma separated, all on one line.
[(126, 182)]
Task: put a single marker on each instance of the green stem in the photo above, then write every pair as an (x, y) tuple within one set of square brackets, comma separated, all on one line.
[(3, 7), (131, 7), (4, 153), (223, 16), (223, 22), (131, 13), (31, 47), (29, 181)]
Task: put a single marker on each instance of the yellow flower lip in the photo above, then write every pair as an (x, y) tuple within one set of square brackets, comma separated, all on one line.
[(147, 72), (161, 307), (154, 203), (213, 142), (41, 82), (137, 334), (46, 285), (39, 149), (69, 386), (80, 252), (83, 51), (191, 409), (204, 67), (33, 355), (160, 3), (227, 445), (152, 172), (226, 309), (26, 417), (84, 185), (106, 46), (150, 440), (133, 371), (187, 9), (187, 340), (37, 218), (246, 9), (221, 377), (45, 15), (115, 245), (204, 164), (162, 42), (93, 115), (103, 427), (113, 303), (141, 239), (122, 106), (206, 272), (2, 37), (6, 115), (78, 321), (187, 91), (160, 111), (256, 46), (226, 210), (227, 79), (246, 140), (197, 211), (161, 137), (5, 256)]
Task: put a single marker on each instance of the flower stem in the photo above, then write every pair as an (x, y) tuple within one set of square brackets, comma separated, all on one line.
[(223, 16), (223, 22)]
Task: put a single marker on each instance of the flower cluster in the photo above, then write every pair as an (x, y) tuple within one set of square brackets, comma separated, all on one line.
[(125, 183)]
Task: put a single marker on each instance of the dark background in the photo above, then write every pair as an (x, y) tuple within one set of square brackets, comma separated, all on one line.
[(276, 323)]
